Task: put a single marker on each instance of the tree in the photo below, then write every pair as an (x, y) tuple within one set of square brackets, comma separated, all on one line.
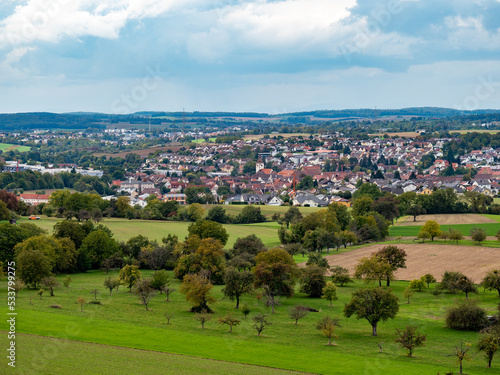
[(362, 206), (489, 343), (81, 301), (32, 267), (156, 256), (467, 286), (144, 291), (431, 228), (318, 260), (195, 212), (237, 283), (386, 206), (197, 289), (373, 268), (415, 210), (410, 338), (462, 354), (250, 244), (51, 283), (159, 280), (478, 235), (260, 322), (297, 313), (276, 272), (9, 199), (208, 229), (313, 281), (450, 280), (11, 235), (209, 257), (70, 229), (491, 281), (428, 279), (330, 292), (329, 331), (97, 246), (395, 256), (168, 315), (292, 216), (17, 286), (218, 214), (466, 315), (130, 275), (203, 316), (407, 293), (373, 305), (250, 214), (229, 320), (340, 275), (4, 211), (111, 283), (417, 284), (455, 235)]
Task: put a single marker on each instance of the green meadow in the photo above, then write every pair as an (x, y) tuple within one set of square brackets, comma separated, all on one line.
[(7, 147), (121, 322), (491, 229)]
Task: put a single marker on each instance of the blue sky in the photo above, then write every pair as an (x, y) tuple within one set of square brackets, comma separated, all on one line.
[(122, 56)]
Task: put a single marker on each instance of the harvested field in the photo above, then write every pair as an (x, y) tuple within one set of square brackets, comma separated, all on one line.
[(401, 134), (473, 261), (447, 219)]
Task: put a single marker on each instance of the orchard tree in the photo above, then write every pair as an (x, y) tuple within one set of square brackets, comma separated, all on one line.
[(144, 291), (276, 273), (428, 279), (373, 305), (229, 320), (297, 313), (415, 210), (111, 283), (395, 256), (489, 342), (32, 267), (431, 228), (197, 289), (417, 284), (340, 275), (313, 281), (491, 281), (478, 235), (330, 292), (203, 316), (373, 268), (410, 338), (237, 283), (159, 280), (130, 275), (51, 283), (260, 323), (97, 246)]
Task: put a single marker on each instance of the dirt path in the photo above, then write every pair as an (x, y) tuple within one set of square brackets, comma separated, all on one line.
[(473, 261)]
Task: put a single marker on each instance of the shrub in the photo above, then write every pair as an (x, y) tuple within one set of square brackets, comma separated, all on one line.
[(466, 316), (56, 306), (340, 275)]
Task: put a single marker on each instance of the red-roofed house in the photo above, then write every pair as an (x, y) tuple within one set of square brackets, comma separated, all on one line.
[(34, 199)]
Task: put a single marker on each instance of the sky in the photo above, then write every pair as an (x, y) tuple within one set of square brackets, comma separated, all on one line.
[(272, 56)]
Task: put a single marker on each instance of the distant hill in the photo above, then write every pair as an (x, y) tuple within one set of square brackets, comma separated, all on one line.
[(84, 120)]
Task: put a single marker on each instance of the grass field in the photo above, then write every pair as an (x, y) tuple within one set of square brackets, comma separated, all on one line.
[(412, 230), (267, 211), (122, 321), (8, 147), (124, 229), (53, 356)]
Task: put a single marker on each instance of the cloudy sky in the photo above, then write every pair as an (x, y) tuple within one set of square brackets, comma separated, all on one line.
[(274, 56)]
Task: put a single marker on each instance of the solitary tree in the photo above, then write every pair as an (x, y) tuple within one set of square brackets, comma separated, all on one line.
[(237, 283), (81, 301), (159, 280), (407, 293), (467, 286), (417, 284), (455, 235), (18, 285), (492, 281), (67, 280), (260, 322), (330, 292), (145, 292), (373, 305), (313, 281), (33, 266), (229, 320), (462, 354), (415, 210), (297, 313), (410, 338)]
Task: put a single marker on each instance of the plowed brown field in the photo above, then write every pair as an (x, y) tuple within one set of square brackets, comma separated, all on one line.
[(473, 261), (447, 219)]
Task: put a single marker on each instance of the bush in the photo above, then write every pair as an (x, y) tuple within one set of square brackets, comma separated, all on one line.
[(56, 306), (466, 316)]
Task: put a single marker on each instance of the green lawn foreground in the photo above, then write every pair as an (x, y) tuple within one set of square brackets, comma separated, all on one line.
[(52, 356), (122, 321)]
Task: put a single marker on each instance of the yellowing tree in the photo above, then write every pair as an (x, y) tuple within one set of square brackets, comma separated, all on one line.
[(431, 228)]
